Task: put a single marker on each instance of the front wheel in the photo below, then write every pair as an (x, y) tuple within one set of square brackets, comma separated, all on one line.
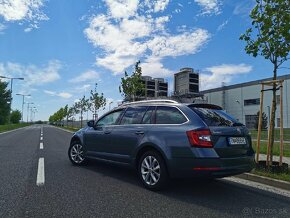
[(152, 171), (75, 153)]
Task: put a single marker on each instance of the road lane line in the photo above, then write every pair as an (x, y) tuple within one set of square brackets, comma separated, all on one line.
[(41, 145), (40, 172), (41, 138)]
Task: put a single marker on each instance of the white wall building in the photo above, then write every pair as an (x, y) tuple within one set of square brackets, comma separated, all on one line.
[(243, 100)]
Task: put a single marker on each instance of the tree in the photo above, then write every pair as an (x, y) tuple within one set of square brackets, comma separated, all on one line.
[(132, 86), (4, 105), (264, 121), (96, 101), (15, 116), (82, 106), (270, 38)]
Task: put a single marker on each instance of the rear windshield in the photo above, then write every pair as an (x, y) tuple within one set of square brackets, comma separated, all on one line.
[(215, 117)]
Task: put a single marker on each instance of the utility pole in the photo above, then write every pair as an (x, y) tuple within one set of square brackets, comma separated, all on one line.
[(28, 103), (22, 116)]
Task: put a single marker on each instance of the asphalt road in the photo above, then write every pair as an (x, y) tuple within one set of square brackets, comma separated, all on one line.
[(106, 190)]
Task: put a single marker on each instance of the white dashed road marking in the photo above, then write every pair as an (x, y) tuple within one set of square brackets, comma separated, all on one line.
[(41, 145), (40, 172), (41, 138)]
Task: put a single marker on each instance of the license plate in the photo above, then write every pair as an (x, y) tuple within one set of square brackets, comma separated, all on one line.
[(237, 141)]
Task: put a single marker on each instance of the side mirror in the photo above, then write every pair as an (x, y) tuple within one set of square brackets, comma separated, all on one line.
[(91, 123)]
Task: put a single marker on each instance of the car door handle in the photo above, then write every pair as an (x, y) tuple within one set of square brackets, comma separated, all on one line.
[(107, 132), (139, 132)]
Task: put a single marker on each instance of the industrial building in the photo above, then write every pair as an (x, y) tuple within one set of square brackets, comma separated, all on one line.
[(154, 87), (243, 101), (186, 83)]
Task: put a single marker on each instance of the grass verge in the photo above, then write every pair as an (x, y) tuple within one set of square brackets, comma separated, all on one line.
[(8, 127), (276, 148), (282, 176), (73, 129), (264, 134)]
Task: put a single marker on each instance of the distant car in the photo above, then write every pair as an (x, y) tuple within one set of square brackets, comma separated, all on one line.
[(164, 139)]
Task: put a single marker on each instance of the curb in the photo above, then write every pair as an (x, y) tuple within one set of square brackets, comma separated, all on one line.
[(265, 180)]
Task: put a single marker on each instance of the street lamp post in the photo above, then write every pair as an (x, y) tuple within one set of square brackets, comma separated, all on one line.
[(11, 86), (22, 105), (28, 103), (110, 105)]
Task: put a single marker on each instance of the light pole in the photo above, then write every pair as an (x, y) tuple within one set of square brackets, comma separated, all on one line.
[(32, 110), (23, 105), (11, 86), (242, 107), (110, 105), (28, 103)]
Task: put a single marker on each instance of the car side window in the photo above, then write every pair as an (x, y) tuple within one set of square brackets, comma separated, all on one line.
[(169, 115), (147, 118), (133, 115), (110, 119)]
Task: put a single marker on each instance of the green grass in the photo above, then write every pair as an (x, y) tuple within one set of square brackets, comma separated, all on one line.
[(264, 134), (263, 148), (73, 129), (282, 176), (7, 127)]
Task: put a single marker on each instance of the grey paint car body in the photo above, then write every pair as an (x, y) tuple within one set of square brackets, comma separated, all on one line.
[(120, 143)]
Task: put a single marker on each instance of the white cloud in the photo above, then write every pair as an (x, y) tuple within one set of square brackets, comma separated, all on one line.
[(153, 67), (33, 75), (27, 10), (60, 94), (177, 45), (86, 76), (126, 39), (222, 26), (244, 8), (122, 8), (156, 5), (209, 7), (216, 75)]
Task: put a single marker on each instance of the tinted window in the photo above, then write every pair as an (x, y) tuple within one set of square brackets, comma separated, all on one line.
[(169, 115), (133, 115), (110, 119), (214, 117), (255, 101), (148, 115)]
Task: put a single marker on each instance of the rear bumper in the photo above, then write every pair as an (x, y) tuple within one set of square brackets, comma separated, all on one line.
[(209, 167)]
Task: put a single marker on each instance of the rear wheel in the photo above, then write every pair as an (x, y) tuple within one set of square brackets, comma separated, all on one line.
[(75, 153), (152, 171)]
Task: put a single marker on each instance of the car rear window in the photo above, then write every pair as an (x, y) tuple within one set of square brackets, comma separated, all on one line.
[(216, 117)]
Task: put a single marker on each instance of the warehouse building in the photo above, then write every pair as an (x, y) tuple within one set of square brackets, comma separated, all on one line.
[(243, 101)]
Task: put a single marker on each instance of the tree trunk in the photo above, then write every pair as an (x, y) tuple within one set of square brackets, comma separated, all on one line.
[(273, 115)]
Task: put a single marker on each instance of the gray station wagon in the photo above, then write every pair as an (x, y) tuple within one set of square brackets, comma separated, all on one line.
[(165, 139)]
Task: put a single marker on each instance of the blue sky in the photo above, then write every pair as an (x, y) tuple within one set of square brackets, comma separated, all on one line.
[(63, 47)]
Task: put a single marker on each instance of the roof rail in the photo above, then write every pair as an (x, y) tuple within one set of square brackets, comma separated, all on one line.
[(151, 101)]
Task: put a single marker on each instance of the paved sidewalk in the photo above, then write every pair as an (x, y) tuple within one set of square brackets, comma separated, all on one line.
[(275, 158)]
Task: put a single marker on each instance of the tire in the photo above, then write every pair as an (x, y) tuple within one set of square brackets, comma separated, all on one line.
[(75, 154), (152, 171)]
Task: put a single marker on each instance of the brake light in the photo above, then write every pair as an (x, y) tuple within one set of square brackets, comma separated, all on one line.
[(200, 138)]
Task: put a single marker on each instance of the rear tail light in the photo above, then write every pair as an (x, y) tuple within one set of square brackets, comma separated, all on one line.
[(200, 138)]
